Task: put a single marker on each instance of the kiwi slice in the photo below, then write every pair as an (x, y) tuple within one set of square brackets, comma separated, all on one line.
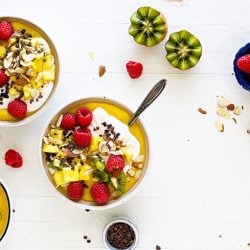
[(148, 26), (183, 50)]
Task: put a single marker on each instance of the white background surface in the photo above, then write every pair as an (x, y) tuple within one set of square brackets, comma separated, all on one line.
[(196, 195)]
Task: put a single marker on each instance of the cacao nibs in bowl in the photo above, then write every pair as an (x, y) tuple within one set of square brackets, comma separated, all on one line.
[(121, 235)]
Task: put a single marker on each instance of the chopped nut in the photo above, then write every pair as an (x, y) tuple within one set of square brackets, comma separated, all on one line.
[(139, 158), (219, 126), (230, 107), (222, 111), (223, 102), (131, 172), (237, 110), (138, 174), (202, 111), (114, 182), (102, 70)]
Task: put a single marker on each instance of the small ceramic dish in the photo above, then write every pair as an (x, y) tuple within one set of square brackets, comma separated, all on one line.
[(127, 238)]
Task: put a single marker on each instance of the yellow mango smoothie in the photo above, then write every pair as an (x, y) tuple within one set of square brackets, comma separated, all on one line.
[(4, 211), (92, 154), (28, 69)]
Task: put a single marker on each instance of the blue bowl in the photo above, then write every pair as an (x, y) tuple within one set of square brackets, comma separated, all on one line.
[(242, 78)]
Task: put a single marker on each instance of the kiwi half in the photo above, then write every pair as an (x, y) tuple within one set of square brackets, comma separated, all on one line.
[(148, 26), (184, 50)]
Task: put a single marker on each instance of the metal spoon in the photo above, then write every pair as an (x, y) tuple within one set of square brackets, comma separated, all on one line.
[(151, 96)]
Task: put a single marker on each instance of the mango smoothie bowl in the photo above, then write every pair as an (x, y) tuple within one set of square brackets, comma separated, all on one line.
[(29, 70), (4, 210), (90, 154)]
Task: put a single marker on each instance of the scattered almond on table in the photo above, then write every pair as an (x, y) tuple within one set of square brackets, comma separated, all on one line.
[(102, 70)]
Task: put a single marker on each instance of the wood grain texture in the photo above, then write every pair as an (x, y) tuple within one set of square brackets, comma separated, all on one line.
[(196, 193)]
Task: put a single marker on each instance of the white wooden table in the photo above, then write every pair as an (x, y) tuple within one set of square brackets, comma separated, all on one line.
[(196, 195)]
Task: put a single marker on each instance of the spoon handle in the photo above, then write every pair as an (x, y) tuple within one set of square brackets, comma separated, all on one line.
[(151, 96)]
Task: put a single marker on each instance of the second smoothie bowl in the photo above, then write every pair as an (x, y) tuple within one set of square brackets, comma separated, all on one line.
[(90, 154), (29, 69)]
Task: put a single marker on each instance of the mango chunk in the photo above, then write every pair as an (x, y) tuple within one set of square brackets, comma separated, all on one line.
[(71, 175), (50, 149), (94, 143), (85, 173), (128, 154), (58, 178), (57, 133)]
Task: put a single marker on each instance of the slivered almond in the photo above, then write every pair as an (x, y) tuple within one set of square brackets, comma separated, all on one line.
[(237, 110), (222, 111), (219, 126)]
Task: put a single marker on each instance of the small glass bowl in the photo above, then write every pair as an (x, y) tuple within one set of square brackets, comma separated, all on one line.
[(107, 245), (242, 78)]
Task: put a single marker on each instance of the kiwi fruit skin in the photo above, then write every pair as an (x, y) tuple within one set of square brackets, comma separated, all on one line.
[(184, 50), (148, 26)]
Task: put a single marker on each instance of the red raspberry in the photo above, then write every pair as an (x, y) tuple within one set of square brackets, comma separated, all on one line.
[(17, 108), (243, 63), (13, 158), (3, 78), (75, 190), (6, 30), (100, 193), (84, 116), (82, 137), (134, 69), (115, 162), (68, 121)]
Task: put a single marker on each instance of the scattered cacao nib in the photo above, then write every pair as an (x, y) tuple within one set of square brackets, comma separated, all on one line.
[(85, 237), (202, 111), (13, 210), (235, 121), (88, 241), (120, 235), (158, 247), (87, 210)]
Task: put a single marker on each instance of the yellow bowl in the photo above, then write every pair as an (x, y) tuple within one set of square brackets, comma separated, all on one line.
[(56, 60), (88, 204), (4, 210)]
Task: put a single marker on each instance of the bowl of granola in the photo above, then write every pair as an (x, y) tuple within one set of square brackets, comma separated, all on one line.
[(91, 156), (29, 69)]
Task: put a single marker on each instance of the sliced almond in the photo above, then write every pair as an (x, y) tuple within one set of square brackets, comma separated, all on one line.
[(138, 174), (202, 111), (222, 111), (219, 126), (102, 70), (131, 172), (223, 102), (59, 121), (114, 182), (237, 110), (139, 158)]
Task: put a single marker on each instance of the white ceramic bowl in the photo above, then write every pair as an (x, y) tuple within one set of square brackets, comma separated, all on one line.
[(54, 52), (60, 191), (107, 245), (6, 193)]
